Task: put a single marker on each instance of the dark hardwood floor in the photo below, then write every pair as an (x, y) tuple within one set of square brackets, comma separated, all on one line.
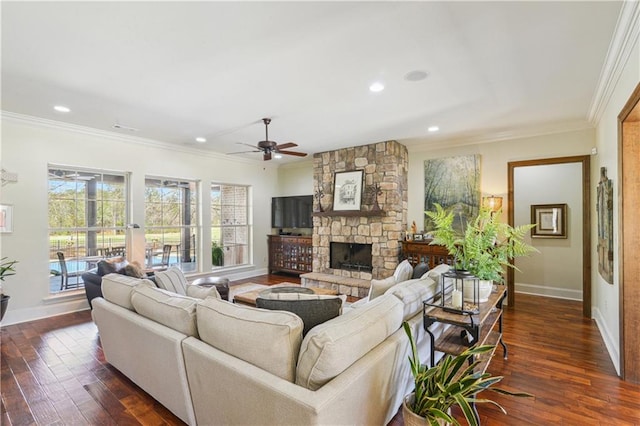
[(53, 371)]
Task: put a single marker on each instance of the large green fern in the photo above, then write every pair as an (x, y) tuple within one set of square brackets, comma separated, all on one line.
[(487, 245)]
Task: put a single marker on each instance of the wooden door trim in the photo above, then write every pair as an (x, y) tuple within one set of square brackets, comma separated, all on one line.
[(585, 160), (624, 113)]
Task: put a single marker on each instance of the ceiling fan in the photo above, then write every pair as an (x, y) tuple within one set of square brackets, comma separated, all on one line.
[(268, 147)]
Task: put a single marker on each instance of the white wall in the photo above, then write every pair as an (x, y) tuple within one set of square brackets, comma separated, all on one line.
[(557, 269), (494, 159), (29, 145), (604, 295), (296, 178)]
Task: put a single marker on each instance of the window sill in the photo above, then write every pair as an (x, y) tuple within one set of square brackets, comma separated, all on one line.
[(64, 297)]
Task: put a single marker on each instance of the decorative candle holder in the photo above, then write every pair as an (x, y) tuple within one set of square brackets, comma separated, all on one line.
[(459, 292)]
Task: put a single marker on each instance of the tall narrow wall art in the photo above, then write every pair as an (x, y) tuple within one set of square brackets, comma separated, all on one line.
[(604, 208), (454, 183)]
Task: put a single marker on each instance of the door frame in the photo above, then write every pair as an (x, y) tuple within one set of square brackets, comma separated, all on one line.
[(628, 341), (585, 160)]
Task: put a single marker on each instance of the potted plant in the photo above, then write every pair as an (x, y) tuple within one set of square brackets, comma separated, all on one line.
[(486, 246), (6, 270), (217, 254), (451, 382)]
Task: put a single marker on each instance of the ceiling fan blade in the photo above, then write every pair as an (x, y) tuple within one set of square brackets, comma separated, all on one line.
[(242, 152), (286, 145), (266, 156), (297, 154), (246, 144)]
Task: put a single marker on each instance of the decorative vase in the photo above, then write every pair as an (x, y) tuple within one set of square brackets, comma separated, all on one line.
[(4, 302), (412, 419), (485, 287)]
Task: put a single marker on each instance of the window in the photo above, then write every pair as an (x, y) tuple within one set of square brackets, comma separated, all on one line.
[(230, 228), (171, 223), (87, 220)]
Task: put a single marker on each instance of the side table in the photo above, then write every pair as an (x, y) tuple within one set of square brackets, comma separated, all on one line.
[(222, 285), (469, 329)]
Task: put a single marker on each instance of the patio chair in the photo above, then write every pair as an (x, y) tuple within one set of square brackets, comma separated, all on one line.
[(166, 253), (64, 273)]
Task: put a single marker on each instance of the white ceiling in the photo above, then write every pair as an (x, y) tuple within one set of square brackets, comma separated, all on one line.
[(178, 70)]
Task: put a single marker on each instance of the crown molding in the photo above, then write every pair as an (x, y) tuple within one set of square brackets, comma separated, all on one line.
[(90, 131), (625, 37), (498, 136)]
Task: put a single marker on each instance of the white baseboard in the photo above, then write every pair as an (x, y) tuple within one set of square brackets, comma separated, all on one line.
[(557, 292), (66, 304), (44, 311), (612, 348)]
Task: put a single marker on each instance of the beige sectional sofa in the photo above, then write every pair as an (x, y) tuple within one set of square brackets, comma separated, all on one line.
[(212, 362)]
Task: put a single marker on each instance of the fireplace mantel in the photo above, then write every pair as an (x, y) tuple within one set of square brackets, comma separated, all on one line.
[(350, 213)]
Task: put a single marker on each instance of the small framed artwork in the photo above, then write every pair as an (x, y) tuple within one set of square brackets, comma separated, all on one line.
[(550, 220), (6, 218), (347, 190), (417, 237)]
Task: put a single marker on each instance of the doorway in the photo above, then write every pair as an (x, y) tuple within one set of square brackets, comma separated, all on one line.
[(629, 236), (584, 160)]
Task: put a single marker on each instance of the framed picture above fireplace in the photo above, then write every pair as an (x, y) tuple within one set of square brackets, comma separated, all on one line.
[(347, 190)]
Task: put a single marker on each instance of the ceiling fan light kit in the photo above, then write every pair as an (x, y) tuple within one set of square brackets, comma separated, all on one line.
[(268, 147)]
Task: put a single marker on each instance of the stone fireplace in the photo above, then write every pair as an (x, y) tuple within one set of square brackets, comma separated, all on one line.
[(379, 225), (351, 256)]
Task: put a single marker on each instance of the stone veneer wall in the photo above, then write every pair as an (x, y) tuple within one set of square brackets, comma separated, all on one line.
[(385, 163)]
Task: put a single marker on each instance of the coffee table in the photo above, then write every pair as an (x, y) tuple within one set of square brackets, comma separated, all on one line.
[(249, 297)]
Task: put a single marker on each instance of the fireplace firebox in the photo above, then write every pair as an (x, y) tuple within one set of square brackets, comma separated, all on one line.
[(351, 256)]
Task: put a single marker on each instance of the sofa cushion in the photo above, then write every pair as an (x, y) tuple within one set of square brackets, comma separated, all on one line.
[(202, 292), (330, 348), (419, 270), (403, 271), (173, 280), (118, 289), (267, 339), (412, 293), (167, 308), (436, 272), (378, 287)]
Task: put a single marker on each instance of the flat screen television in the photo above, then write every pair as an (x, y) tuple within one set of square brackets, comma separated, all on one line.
[(292, 212)]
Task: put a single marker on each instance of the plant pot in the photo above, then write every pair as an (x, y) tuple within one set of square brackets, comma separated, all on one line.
[(486, 286), (4, 302), (412, 419)]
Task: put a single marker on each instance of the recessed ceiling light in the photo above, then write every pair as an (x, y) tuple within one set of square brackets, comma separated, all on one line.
[(416, 75), (433, 128), (376, 87), (201, 139), (61, 108), (277, 156)]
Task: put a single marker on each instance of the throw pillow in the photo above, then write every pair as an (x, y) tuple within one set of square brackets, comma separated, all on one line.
[(403, 271), (313, 309), (201, 292), (419, 270), (378, 287), (173, 280)]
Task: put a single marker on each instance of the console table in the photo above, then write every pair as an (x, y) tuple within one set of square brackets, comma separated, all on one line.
[(421, 251), (481, 327), (290, 253)]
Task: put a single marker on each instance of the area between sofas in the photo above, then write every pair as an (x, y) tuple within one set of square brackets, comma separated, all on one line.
[(182, 350)]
